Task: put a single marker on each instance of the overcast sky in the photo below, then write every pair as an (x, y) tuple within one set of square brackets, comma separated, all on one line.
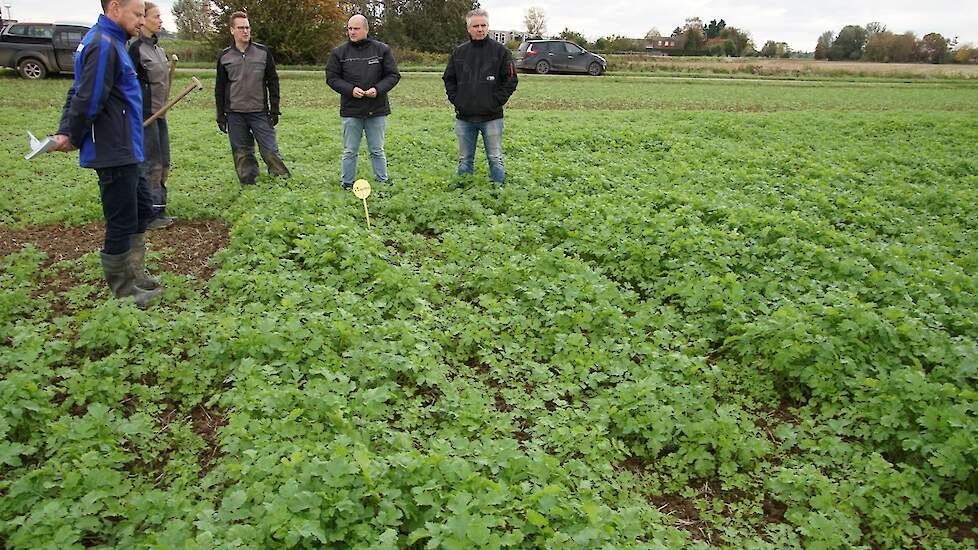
[(799, 23)]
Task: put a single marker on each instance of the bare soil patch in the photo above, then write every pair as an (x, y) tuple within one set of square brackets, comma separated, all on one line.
[(186, 248), (190, 244)]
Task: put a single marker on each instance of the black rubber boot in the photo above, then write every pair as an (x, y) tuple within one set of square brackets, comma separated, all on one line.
[(118, 273), (137, 258)]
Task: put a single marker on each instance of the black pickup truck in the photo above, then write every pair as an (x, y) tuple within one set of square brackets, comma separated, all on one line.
[(39, 49)]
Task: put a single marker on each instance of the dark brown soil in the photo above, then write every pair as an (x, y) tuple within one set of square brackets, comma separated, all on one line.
[(185, 248), (187, 245)]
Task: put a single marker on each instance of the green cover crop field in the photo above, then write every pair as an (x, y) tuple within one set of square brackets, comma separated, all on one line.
[(702, 313)]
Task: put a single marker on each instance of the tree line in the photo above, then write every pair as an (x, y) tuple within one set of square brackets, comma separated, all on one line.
[(304, 31), (874, 42), (716, 38)]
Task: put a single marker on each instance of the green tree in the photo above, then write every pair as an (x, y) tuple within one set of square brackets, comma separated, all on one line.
[(848, 44), (693, 40), (775, 49), (824, 44), (933, 48), (575, 37), (193, 19), (741, 40), (714, 28), (426, 25), (297, 31), (902, 48), (873, 28), (878, 47)]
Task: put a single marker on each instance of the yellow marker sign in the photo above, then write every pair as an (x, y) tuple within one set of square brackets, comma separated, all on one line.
[(361, 189)]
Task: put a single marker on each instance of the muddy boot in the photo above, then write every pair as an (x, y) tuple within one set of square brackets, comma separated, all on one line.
[(246, 167), (118, 273), (137, 259), (276, 166)]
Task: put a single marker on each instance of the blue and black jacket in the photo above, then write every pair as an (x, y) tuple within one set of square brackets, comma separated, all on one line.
[(103, 111)]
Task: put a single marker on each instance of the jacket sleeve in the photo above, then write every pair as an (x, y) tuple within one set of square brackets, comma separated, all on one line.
[(136, 57), (271, 82), (506, 77), (451, 80), (391, 75), (220, 91), (91, 89), (334, 75)]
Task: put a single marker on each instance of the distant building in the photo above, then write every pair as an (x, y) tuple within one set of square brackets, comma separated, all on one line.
[(663, 44), (507, 36)]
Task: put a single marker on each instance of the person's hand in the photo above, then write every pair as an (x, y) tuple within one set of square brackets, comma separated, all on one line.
[(222, 125), (372, 92), (358, 92), (273, 118), (62, 143)]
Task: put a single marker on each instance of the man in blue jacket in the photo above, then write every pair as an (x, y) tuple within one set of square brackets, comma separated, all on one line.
[(102, 118), (362, 71), (479, 78)]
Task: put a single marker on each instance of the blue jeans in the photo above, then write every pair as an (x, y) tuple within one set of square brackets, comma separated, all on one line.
[(492, 138), (353, 130)]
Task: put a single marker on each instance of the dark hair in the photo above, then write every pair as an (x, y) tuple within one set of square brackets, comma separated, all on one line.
[(236, 15), (149, 6)]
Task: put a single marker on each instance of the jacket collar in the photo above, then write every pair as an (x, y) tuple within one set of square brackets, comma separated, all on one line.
[(360, 43), (109, 26)]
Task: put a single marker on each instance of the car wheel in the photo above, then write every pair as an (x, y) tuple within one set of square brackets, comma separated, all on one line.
[(32, 69), (543, 67), (594, 69)]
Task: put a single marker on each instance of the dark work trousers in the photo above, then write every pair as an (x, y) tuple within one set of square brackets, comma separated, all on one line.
[(126, 205), (156, 166), (243, 130)]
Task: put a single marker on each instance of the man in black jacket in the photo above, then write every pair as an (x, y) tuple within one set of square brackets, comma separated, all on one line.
[(362, 71), (479, 79), (247, 97)]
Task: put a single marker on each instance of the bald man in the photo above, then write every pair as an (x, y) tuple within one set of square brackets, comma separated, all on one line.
[(362, 70)]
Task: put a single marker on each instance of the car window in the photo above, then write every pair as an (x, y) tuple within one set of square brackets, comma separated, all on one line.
[(542, 47), (18, 30), (41, 31), (524, 46), (67, 39), (573, 48)]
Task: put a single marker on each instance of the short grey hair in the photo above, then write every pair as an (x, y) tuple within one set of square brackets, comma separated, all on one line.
[(361, 18), (478, 12)]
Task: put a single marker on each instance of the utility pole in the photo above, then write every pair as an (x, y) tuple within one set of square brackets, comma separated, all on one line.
[(9, 16)]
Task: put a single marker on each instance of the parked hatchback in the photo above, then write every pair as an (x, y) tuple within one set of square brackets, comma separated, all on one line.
[(544, 56)]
